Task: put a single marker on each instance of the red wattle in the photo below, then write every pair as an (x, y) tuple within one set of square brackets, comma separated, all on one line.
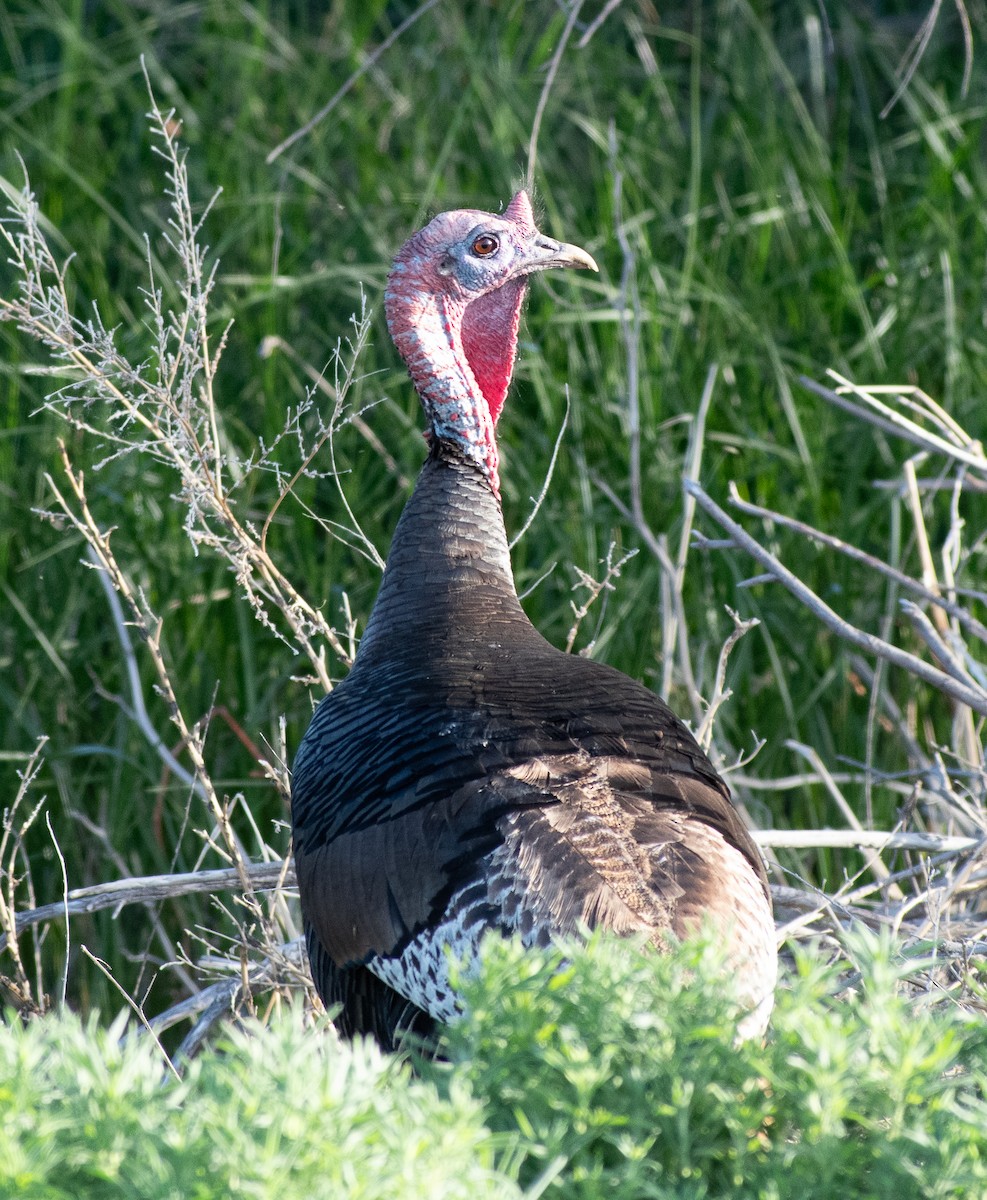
[(489, 337)]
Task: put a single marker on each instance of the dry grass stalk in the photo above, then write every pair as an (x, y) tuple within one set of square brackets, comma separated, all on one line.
[(27, 997), (165, 410)]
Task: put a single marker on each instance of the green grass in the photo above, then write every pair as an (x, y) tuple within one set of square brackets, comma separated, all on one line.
[(778, 226), (611, 1074)]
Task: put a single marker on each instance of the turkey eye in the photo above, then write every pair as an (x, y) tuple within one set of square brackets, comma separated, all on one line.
[(485, 245)]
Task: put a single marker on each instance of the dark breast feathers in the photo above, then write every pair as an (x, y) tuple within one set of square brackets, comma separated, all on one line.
[(427, 809)]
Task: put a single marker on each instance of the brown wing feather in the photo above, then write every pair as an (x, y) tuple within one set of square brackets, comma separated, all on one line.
[(624, 846), (565, 841), (633, 850)]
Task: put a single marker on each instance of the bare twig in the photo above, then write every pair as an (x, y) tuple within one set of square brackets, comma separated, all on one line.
[(150, 889), (318, 382), (553, 66), (975, 697), (721, 693), (928, 633), (595, 588), (812, 756), (364, 67), (11, 841), (804, 779), (629, 307), (132, 1005)]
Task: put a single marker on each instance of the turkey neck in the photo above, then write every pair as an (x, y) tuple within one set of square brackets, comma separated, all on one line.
[(460, 358), (448, 575)]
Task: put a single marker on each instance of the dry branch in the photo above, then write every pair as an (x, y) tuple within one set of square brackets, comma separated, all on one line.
[(951, 441), (164, 408), (973, 696), (151, 889), (977, 628), (876, 839)]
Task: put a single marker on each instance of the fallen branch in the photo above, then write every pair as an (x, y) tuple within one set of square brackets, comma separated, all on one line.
[(876, 839), (149, 889)]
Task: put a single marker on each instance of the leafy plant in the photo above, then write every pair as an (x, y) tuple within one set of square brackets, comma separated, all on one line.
[(617, 1073), (606, 1072)]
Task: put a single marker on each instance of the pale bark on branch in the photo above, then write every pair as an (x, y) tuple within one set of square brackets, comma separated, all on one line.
[(970, 694)]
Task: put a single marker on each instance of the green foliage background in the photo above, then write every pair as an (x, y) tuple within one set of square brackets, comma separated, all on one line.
[(778, 225)]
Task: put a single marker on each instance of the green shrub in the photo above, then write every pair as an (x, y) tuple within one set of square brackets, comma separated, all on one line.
[(609, 1073), (281, 1111), (617, 1075)]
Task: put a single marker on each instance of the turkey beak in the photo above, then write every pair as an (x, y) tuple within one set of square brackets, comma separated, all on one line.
[(546, 253)]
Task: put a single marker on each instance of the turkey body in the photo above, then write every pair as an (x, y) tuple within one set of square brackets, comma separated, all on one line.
[(467, 775)]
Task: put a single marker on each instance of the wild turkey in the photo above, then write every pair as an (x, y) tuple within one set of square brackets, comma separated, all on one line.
[(466, 774)]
